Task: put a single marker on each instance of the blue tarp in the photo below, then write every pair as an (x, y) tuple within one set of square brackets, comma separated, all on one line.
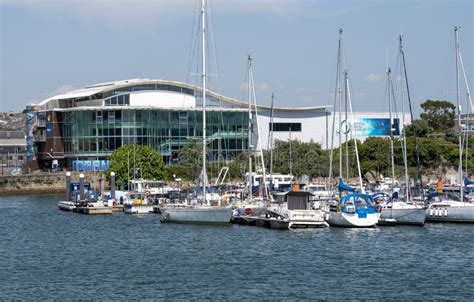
[(345, 188)]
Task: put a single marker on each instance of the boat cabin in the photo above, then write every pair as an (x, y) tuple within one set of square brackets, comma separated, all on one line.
[(299, 200)]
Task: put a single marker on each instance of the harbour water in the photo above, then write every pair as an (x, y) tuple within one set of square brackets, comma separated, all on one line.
[(50, 254)]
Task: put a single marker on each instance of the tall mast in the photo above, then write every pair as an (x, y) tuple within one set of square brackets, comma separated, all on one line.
[(404, 134), (417, 150), (338, 95), (249, 66), (390, 88), (203, 36), (270, 137), (346, 125), (458, 105), (259, 147)]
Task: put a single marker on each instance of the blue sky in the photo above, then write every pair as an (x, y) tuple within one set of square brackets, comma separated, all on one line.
[(49, 47)]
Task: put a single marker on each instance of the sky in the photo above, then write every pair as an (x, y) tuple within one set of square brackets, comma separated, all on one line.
[(49, 47)]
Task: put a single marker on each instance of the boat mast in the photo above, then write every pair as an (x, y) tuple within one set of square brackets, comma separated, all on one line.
[(270, 138), (389, 89), (338, 95), (458, 105), (203, 36), (404, 134), (257, 128), (335, 107), (469, 106), (346, 124), (249, 66), (417, 150)]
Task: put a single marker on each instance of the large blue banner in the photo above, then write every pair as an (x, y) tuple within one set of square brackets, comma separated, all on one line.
[(371, 127)]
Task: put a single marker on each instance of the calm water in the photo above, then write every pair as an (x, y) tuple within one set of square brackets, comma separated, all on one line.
[(47, 253)]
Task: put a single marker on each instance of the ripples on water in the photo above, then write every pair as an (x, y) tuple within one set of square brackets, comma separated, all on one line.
[(50, 254)]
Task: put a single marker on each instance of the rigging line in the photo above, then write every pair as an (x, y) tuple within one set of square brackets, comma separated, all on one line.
[(336, 92), (447, 72), (468, 92), (258, 134), (355, 136), (214, 50), (417, 150), (403, 142), (193, 45), (192, 49)]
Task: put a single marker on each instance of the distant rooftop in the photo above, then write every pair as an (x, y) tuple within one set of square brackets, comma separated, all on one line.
[(91, 91)]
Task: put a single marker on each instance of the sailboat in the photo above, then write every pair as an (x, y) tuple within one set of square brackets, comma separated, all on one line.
[(351, 209), (251, 206), (396, 210), (448, 207), (206, 212)]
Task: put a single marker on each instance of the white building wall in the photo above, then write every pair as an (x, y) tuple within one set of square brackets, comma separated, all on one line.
[(316, 125), (164, 99), (313, 126)]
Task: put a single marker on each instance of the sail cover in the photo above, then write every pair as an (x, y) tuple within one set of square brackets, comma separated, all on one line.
[(345, 188)]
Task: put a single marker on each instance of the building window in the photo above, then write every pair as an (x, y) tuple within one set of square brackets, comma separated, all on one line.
[(119, 100), (281, 127)]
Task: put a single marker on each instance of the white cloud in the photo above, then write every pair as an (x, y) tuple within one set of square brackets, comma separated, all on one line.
[(374, 78)]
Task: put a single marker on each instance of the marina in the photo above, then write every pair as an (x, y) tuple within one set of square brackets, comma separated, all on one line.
[(150, 170), (56, 242)]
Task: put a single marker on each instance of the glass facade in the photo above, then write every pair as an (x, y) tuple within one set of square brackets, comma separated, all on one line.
[(97, 133)]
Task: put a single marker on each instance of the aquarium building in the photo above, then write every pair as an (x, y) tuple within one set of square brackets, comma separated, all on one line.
[(80, 129)]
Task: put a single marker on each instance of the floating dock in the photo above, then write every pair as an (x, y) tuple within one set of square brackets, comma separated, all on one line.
[(268, 222), (93, 210)]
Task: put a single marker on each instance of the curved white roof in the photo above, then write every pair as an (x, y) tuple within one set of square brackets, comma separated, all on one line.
[(91, 90)]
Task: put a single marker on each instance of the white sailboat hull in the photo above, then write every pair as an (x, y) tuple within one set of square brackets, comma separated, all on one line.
[(340, 219), (407, 216), (198, 215), (452, 212)]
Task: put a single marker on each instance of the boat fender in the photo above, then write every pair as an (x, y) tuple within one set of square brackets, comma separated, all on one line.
[(248, 211)]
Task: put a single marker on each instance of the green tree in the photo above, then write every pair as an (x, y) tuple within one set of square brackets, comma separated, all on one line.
[(439, 115), (148, 163), (421, 128), (374, 155), (190, 159), (306, 158)]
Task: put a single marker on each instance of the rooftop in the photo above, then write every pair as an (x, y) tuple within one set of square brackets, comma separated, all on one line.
[(100, 88)]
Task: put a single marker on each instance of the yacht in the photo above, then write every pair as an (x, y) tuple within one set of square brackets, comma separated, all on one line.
[(349, 209), (453, 206), (137, 203), (207, 212), (296, 211), (448, 207)]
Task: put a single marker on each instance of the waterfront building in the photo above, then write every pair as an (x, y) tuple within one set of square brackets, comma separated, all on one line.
[(80, 129), (12, 151)]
